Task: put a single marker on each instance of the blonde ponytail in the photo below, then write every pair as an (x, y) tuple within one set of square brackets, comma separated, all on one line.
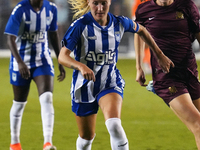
[(79, 7)]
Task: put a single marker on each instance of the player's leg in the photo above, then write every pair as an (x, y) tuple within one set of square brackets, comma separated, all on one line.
[(16, 113), (110, 105), (86, 126), (45, 88), (188, 113), (197, 104), (20, 89)]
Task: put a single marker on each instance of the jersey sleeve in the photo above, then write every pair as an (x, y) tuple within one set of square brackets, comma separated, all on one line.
[(194, 18), (192, 13), (14, 21), (73, 35), (129, 25), (138, 17)]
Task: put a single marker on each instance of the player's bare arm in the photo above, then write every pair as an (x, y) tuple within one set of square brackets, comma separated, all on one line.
[(66, 60), (164, 62)]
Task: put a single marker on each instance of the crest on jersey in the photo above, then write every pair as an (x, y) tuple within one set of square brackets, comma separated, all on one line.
[(172, 90), (14, 76), (117, 36), (179, 15), (48, 20)]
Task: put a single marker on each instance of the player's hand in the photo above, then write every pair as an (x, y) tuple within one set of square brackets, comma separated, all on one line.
[(61, 76), (165, 63), (87, 73), (140, 77), (23, 70)]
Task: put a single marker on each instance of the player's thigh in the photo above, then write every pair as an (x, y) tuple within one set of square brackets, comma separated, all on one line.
[(44, 83), (43, 77), (184, 108), (21, 92), (111, 105), (20, 86), (86, 126), (197, 103)]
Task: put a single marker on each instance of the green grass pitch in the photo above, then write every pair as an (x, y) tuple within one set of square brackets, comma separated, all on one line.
[(148, 122)]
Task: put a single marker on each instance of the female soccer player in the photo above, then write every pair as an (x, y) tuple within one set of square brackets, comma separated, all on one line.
[(174, 24), (94, 38), (31, 60)]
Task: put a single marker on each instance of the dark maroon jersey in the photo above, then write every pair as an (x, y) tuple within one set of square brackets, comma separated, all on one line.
[(173, 28)]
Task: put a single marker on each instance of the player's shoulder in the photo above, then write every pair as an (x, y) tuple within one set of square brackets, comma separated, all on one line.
[(186, 6), (82, 21), (19, 8), (116, 18), (187, 3), (51, 4), (146, 4)]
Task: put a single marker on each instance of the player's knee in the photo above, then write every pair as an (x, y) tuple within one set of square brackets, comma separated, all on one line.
[(83, 144), (114, 127), (195, 129), (117, 135), (46, 97), (87, 135)]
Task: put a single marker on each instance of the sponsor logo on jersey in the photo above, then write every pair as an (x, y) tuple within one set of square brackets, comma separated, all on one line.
[(92, 37), (151, 18), (27, 22), (34, 37), (100, 59)]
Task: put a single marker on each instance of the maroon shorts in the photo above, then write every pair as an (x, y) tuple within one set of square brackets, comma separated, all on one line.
[(175, 86)]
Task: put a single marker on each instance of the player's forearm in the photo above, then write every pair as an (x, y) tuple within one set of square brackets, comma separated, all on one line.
[(66, 60), (54, 38), (139, 49), (13, 48), (198, 38)]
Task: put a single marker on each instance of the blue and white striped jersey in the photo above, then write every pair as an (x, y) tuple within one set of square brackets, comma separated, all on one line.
[(30, 28), (97, 47)]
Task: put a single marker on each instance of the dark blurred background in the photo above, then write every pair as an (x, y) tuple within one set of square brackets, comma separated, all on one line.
[(118, 7)]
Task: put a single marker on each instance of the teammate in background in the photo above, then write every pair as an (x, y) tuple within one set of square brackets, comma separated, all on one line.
[(94, 39), (146, 55), (174, 24), (31, 60)]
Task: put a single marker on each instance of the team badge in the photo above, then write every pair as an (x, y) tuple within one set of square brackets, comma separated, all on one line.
[(117, 36), (14, 76), (48, 20), (179, 15), (172, 90)]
